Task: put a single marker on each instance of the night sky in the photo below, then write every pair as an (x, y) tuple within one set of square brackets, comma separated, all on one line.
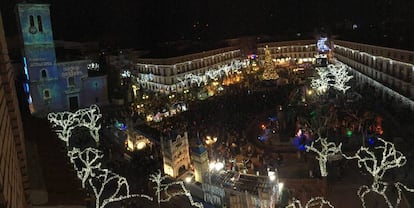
[(142, 23)]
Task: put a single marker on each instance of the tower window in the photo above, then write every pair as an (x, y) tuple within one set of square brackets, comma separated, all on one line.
[(43, 73), (39, 23), (46, 94), (71, 81), (31, 21)]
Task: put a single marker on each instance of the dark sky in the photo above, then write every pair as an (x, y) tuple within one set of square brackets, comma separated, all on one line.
[(144, 22)]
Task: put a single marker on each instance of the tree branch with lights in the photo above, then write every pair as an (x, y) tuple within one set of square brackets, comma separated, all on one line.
[(335, 75), (377, 167), (312, 203), (326, 150), (160, 188), (106, 185)]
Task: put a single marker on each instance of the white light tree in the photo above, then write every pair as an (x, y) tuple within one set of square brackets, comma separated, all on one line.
[(89, 118), (321, 83), (65, 122), (106, 185), (314, 202), (327, 149), (377, 167), (88, 160), (335, 75), (161, 187), (340, 75)]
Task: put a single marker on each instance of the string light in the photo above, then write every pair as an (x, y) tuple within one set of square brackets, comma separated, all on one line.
[(327, 149), (87, 162), (313, 202), (335, 76), (377, 167)]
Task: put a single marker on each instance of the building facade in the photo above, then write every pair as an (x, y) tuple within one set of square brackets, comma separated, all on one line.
[(300, 51), (13, 166), (175, 154), (390, 71), (168, 75), (53, 86)]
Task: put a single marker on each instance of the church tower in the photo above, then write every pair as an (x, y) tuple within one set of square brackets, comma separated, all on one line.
[(199, 157), (39, 57), (175, 154)]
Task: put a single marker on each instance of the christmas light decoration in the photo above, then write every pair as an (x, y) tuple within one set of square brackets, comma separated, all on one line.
[(326, 150), (270, 72), (312, 203), (106, 185), (89, 160), (321, 84), (334, 75), (377, 167), (340, 75), (158, 178), (68, 121)]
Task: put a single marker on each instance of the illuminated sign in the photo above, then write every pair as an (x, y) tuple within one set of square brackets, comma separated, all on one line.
[(322, 47)]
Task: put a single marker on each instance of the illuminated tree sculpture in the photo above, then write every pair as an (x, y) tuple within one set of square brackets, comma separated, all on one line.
[(321, 83), (270, 72), (314, 202), (326, 150), (335, 75), (377, 167), (89, 118), (162, 188), (340, 75), (65, 122), (106, 185), (85, 162)]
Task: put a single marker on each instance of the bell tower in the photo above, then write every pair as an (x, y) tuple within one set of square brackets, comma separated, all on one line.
[(199, 158), (39, 57)]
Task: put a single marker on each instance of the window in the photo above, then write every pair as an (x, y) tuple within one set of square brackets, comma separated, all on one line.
[(71, 81), (31, 21), (43, 73), (39, 23), (46, 94)]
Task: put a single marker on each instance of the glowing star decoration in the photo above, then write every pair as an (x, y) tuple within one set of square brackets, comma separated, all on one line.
[(162, 189), (326, 150), (335, 76), (314, 202), (106, 186), (377, 167)]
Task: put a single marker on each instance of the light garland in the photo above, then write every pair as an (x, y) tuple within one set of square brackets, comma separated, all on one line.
[(312, 203), (327, 149), (158, 178), (321, 84), (377, 167), (335, 76), (68, 121), (87, 162)]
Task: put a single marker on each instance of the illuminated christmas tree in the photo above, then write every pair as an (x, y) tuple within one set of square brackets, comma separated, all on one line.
[(270, 72)]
